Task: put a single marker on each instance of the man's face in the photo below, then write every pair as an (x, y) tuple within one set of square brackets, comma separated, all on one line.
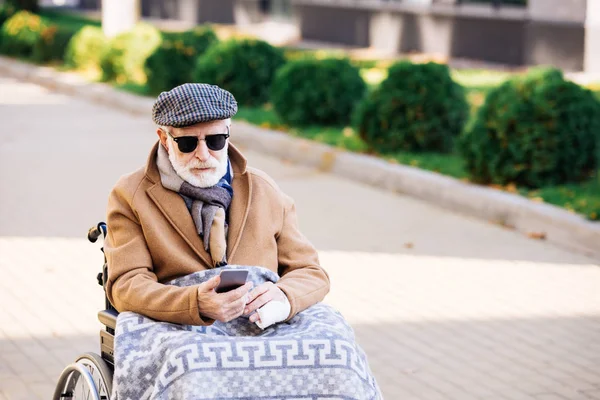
[(202, 167)]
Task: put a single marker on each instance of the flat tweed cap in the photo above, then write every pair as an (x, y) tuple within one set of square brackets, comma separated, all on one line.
[(191, 103)]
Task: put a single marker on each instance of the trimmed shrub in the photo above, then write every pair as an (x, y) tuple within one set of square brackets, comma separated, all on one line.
[(20, 33), (246, 68), (52, 43), (86, 48), (317, 91), (538, 130), (172, 63), (418, 107), (6, 11), (127, 54)]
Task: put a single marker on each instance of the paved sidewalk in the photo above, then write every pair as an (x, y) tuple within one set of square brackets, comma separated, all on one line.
[(446, 307)]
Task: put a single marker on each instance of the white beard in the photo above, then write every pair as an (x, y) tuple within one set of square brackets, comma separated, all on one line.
[(205, 179)]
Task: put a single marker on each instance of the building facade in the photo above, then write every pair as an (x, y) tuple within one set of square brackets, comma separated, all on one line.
[(564, 33)]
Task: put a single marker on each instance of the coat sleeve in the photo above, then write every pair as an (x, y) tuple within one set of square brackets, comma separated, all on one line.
[(132, 284), (302, 279)]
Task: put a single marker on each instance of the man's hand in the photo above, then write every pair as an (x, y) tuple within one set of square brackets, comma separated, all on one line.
[(260, 296), (222, 307)]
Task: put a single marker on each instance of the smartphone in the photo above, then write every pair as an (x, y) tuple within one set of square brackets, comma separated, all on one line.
[(231, 279)]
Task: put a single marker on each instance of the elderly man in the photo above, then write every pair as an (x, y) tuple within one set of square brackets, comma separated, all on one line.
[(197, 205), (197, 210)]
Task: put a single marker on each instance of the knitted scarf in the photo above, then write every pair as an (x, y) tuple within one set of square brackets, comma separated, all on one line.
[(208, 206)]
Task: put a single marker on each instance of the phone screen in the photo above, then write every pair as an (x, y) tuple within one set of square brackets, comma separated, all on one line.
[(232, 279)]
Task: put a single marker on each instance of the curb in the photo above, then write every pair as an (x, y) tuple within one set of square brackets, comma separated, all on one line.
[(555, 224)]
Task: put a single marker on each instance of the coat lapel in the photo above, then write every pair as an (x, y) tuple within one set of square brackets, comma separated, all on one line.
[(240, 203), (172, 206), (238, 212)]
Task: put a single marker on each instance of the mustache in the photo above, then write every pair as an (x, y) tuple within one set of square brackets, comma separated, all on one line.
[(211, 163)]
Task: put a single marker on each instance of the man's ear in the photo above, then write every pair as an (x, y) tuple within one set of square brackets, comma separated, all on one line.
[(163, 138)]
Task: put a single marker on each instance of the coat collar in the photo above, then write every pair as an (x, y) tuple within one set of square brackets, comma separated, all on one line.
[(173, 207)]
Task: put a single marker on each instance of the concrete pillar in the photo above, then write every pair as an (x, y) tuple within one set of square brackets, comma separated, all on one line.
[(592, 37), (119, 16), (188, 11), (385, 31), (246, 12), (436, 34)]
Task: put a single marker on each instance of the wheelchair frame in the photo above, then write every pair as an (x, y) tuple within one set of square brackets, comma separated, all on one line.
[(95, 371)]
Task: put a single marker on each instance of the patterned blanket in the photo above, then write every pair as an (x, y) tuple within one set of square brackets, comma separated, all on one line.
[(312, 356)]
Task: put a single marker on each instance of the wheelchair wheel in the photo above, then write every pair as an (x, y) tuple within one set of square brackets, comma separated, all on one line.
[(89, 377)]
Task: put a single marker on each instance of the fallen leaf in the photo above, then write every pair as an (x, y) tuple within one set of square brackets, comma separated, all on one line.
[(511, 187), (504, 224), (537, 235)]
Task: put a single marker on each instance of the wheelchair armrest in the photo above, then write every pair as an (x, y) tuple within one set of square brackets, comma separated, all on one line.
[(108, 318)]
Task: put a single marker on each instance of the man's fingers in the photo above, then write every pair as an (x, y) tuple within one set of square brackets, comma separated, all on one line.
[(260, 289), (238, 293), (258, 302), (235, 309), (210, 284)]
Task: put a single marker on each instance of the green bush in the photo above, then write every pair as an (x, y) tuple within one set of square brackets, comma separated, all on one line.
[(127, 54), (317, 91), (6, 11), (246, 68), (20, 33), (538, 130), (418, 107), (52, 43), (173, 62), (86, 48)]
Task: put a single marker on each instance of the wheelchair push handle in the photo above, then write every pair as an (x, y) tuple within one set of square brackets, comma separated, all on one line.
[(95, 232)]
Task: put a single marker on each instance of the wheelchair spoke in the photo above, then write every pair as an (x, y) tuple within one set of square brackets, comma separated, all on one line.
[(89, 378)]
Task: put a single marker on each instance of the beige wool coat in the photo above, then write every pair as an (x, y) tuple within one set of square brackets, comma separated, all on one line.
[(152, 239)]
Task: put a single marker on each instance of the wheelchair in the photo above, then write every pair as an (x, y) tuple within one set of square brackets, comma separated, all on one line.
[(90, 375)]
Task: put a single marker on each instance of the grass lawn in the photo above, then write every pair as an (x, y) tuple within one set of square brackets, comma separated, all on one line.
[(65, 19)]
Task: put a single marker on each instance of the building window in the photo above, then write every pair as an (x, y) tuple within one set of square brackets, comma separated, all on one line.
[(496, 3)]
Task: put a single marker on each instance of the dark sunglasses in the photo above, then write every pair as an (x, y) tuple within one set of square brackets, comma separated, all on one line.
[(188, 144)]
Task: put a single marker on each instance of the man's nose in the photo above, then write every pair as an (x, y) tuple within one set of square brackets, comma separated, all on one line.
[(202, 152)]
